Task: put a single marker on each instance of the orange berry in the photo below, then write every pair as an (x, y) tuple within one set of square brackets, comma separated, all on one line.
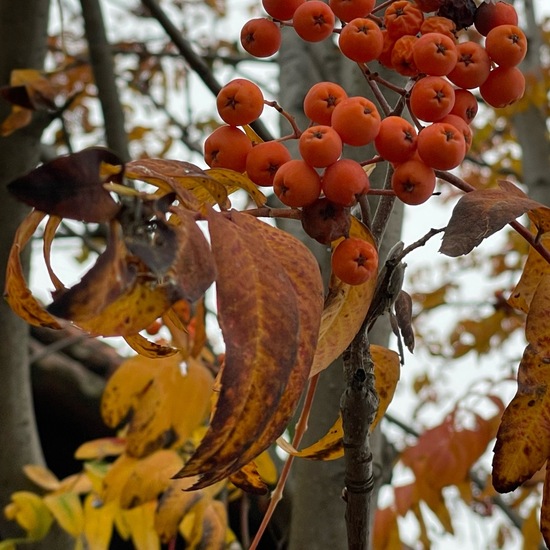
[(413, 182), (428, 6), (320, 145), (506, 45), (283, 10), (354, 261), (297, 184), (264, 160), (504, 86), (465, 106), (343, 181), (402, 57), (432, 98), (387, 47), (489, 15), (472, 67), (460, 124), (227, 147), (435, 54), (439, 24), (361, 40), (356, 120), (313, 21), (240, 102), (321, 99), (396, 139), (403, 18), (346, 10), (261, 37), (441, 146)]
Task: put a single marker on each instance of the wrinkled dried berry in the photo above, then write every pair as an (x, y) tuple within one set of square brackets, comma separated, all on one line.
[(460, 11)]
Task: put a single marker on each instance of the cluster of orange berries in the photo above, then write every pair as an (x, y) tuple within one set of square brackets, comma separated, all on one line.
[(443, 67)]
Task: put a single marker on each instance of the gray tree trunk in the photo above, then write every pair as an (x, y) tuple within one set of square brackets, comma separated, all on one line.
[(23, 28), (317, 507)]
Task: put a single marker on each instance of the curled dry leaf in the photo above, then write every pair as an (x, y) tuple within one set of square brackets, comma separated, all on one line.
[(260, 319), (480, 214), (72, 186)]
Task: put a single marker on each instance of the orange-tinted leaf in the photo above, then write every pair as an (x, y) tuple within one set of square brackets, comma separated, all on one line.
[(100, 448), (387, 369), (535, 268), (405, 497), (521, 448), (345, 309), (435, 501), (480, 214), (49, 234), (31, 89), (98, 523), (538, 317), (42, 476), (329, 447), (145, 347), (189, 182), (68, 512), (259, 317), (16, 292), (150, 477), (18, 118), (71, 186), (386, 530), (232, 181), (173, 504)]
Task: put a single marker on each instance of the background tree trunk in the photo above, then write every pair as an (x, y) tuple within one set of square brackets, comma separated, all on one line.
[(317, 508)]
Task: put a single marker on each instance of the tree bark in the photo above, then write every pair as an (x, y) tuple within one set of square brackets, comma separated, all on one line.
[(23, 27)]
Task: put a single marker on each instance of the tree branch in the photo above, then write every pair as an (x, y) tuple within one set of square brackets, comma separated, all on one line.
[(101, 60)]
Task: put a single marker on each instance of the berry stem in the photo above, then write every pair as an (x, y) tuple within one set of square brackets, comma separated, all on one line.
[(297, 132)]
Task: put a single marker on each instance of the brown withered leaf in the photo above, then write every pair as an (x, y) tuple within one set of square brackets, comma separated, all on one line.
[(538, 318), (193, 185), (535, 268), (71, 186), (16, 291), (403, 314), (30, 89), (480, 214), (259, 318), (305, 278), (345, 309), (522, 446), (249, 480), (145, 347)]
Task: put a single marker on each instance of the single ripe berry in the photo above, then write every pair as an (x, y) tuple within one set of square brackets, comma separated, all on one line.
[(435, 54), (403, 18), (441, 146), (357, 120), (472, 67), (396, 139), (320, 101), (344, 181), (490, 15), (264, 160), (465, 106), (413, 182), (283, 10), (313, 21), (354, 261), (506, 45), (504, 86), (240, 102), (227, 147), (432, 98), (261, 37), (361, 40), (297, 184), (320, 145), (346, 10)]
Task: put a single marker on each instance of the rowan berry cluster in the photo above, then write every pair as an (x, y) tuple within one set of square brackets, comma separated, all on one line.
[(421, 40)]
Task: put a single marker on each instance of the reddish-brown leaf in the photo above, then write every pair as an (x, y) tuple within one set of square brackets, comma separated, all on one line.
[(71, 186), (482, 213), (259, 318)]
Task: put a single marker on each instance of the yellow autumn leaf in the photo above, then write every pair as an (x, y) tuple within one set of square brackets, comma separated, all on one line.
[(117, 476), (530, 530), (67, 510), (387, 370), (145, 347), (141, 525), (98, 523), (345, 310), (149, 477), (30, 512), (232, 181)]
